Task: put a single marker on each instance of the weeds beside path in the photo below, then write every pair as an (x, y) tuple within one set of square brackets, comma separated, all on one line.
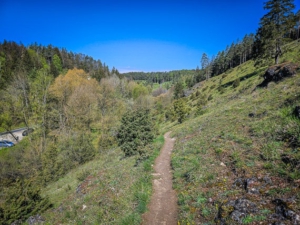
[(163, 205)]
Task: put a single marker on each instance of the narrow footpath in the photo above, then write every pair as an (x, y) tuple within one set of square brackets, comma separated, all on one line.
[(163, 205)]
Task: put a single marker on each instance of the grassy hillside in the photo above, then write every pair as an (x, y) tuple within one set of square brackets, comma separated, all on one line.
[(238, 161), (107, 190), (234, 160)]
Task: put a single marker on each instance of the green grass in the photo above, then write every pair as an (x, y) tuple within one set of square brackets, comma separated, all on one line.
[(247, 146), (214, 146), (113, 190)]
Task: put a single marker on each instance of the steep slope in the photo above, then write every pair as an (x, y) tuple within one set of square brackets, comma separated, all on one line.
[(238, 161), (108, 190)]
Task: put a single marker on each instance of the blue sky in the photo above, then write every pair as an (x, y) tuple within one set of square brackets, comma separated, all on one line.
[(156, 35)]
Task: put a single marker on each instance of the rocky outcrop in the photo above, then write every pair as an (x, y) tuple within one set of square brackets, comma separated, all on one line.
[(236, 209), (283, 211), (259, 204), (37, 219), (278, 72)]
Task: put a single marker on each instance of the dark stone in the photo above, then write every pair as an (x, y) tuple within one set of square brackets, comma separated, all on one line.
[(278, 72), (251, 115), (242, 207), (239, 183), (249, 182), (296, 219), (267, 180), (287, 159), (79, 189), (254, 191), (245, 206), (250, 186), (236, 209), (37, 219), (297, 112), (237, 215), (282, 211)]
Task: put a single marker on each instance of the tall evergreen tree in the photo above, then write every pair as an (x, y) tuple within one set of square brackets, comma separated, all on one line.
[(274, 28), (205, 63)]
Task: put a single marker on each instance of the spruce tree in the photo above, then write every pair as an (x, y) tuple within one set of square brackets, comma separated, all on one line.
[(22, 201), (135, 132), (205, 63), (274, 27)]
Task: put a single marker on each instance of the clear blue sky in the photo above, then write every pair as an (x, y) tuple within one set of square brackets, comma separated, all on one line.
[(153, 35)]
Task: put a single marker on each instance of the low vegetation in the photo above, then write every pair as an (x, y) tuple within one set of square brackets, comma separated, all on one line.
[(110, 189), (242, 149), (97, 133)]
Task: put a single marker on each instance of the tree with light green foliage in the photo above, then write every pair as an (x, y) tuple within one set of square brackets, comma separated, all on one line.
[(181, 109), (139, 90)]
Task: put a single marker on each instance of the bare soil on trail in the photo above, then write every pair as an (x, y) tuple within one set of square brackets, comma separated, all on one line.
[(163, 207)]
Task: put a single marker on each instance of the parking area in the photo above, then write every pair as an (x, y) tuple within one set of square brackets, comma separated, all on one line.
[(17, 133)]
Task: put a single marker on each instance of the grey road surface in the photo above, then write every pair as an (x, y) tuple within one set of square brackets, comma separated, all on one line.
[(17, 133)]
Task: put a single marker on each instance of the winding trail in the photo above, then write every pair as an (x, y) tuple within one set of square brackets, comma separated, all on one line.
[(163, 207)]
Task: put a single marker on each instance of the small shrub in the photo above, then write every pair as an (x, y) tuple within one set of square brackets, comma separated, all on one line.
[(200, 111), (135, 132), (82, 175), (22, 201), (236, 83), (221, 89), (202, 100), (181, 109)]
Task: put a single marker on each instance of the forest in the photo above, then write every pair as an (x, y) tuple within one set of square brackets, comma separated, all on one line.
[(83, 112)]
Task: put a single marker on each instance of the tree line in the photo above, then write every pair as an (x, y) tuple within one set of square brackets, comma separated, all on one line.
[(159, 77), (276, 28), (75, 105), (16, 57)]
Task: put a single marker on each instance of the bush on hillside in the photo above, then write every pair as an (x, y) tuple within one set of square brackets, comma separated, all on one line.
[(236, 83), (22, 201), (58, 159), (135, 132), (181, 109)]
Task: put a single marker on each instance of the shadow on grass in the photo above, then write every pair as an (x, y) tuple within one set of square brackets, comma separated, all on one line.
[(247, 76)]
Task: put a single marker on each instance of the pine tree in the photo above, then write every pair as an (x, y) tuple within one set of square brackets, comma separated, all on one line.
[(178, 90), (181, 109), (274, 26), (22, 201), (205, 63)]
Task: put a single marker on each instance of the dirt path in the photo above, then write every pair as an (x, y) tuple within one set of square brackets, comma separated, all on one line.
[(163, 205)]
